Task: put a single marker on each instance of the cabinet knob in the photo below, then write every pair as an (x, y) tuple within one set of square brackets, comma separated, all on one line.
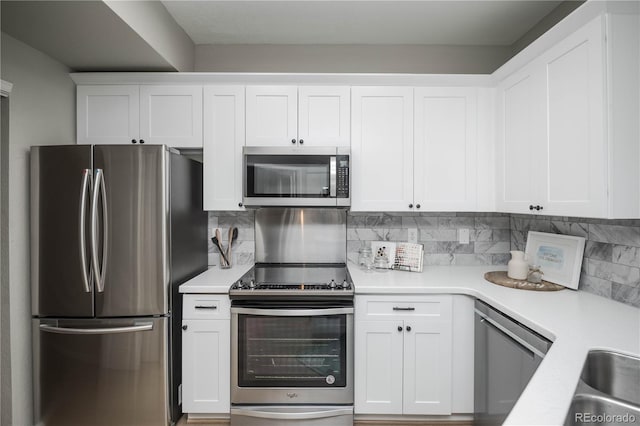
[(239, 204), (531, 207), (301, 141), (293, 141), (417, 206), (134, 141), (539, 208), (399, 328), (141, 140), (184, 327), (410, 206), (408, 328)]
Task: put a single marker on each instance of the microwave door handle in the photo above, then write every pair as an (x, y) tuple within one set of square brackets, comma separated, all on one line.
[(332, 177)]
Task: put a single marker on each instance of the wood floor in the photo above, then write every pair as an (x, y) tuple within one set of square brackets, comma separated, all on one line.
[(202, 422)]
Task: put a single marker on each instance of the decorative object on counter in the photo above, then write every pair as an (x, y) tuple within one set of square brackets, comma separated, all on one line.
[(518, 268), (224, 260), (559, 255), (501, 278), (409, 257), (384, 248), (365, 258), (382, 263), (535, 274)]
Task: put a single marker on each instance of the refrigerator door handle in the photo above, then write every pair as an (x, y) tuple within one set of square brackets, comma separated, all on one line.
[(108, 330), (84, 188), (99, 190)]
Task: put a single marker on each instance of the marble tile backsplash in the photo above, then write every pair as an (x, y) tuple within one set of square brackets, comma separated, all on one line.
[(611, 263), (489, 236)]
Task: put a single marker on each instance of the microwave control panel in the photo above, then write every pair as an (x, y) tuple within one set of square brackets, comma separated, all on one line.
[(342, 184)]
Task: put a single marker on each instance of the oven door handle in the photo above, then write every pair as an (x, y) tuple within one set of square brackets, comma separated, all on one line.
[(292, 312), (314, 413)]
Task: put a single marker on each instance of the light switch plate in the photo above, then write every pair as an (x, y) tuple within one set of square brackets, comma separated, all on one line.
[(412, 235), (463, 236)]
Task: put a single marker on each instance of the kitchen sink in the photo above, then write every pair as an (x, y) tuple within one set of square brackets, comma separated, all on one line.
[(608, 392)]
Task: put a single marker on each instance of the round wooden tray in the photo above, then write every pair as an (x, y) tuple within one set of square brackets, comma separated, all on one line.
[(501, 278)]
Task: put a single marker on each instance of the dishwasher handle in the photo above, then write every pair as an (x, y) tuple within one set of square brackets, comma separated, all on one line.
[(510, 335)]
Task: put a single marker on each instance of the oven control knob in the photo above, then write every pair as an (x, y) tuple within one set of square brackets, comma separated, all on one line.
[(345, 284), (332, 284), (252, 284)]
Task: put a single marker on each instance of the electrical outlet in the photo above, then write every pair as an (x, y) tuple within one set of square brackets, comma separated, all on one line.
[(463, 236), (412, 235)]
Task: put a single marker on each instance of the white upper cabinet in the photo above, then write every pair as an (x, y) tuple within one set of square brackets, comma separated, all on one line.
[(107, 114), (382, 148), (222, 151), (297, 116), (445, 144), (132, 114), (324, 117), (171, 115)]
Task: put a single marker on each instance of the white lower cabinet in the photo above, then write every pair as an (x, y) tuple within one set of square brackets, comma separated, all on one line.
[(206, 355), (403, 353)]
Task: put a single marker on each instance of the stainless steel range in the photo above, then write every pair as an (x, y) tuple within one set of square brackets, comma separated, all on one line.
[(292, 324)]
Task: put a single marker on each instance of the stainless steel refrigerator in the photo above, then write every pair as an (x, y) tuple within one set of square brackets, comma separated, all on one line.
[(114, 231)]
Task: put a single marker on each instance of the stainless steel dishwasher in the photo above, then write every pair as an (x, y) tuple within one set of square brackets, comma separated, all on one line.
[(506, 355)]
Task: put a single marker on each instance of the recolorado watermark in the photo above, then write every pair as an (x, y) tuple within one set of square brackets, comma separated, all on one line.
[(605, 418)]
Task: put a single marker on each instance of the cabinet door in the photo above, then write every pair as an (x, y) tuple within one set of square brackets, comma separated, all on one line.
[(574, 177), (521, 124), (171, 115), (222, 150), (205, 366), (324, 115), (107, 114), (378, 367), (445, 149), (427, 367), (272, 115), (382, 148)]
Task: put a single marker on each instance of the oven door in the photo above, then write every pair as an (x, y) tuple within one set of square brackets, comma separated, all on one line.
[(292, 356), (289, 177)]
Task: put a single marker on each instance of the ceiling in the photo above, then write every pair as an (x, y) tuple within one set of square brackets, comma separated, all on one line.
[(479, 22)]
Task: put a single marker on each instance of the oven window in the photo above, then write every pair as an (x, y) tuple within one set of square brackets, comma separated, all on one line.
[(292, 351), (291, 176)]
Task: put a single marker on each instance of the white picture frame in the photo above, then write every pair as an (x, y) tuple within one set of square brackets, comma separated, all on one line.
[(559, 257)]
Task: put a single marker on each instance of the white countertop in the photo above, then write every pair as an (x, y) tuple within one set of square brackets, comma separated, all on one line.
[(215, 280), (575, 321)]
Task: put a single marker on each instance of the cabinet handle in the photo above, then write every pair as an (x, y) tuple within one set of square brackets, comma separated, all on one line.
[(410, 206), (141, 140), (301, 141), (531, 207), (539, 208), (408, 328), (293, 141), (184, 327), (399, 328), (398, 308), (206, 307), (417, 206), (134, 141), (239, 204)]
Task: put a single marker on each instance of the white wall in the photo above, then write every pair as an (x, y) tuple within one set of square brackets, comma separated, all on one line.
[(41, 112), (410, 59)]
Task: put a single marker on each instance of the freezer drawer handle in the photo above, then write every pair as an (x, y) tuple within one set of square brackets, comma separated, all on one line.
[(84, 188), (109, 330), (99, 189), (319, 414), (206, 307)]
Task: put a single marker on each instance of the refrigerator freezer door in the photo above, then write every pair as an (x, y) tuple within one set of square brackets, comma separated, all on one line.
[(136, 272), (60, 185), (101, 372)]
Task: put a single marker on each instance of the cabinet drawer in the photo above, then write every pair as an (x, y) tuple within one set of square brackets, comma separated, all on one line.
[(206, 306), (436, 307)]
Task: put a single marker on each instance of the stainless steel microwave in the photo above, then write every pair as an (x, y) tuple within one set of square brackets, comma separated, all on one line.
[(296, 176)]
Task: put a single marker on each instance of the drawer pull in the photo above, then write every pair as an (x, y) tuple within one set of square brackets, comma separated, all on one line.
[(397, 308), (206, 307)]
